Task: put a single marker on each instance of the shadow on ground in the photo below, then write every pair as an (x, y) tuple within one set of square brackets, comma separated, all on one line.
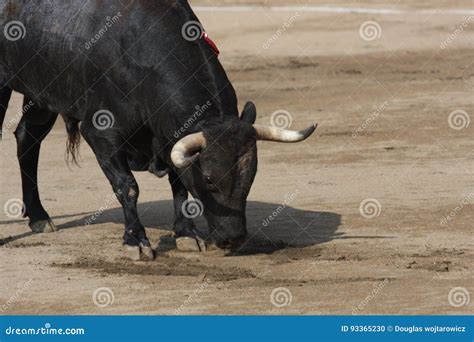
[(271, 226)]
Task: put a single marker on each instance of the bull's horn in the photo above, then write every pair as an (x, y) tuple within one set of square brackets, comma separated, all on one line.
[(186, 150), (270, 133)]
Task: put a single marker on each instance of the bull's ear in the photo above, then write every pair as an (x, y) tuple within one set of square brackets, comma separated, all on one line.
[(249, 113)]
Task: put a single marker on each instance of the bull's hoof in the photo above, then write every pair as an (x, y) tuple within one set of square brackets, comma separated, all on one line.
[(147, 252), (212, 247), (43, 226), (187, 244), (139, 253), (191, 244)]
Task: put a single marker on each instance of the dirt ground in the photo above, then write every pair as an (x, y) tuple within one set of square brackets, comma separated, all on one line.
[(385, 137)]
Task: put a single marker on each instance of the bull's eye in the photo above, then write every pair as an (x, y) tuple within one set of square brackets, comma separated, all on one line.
[(208, 180), (209, 183)]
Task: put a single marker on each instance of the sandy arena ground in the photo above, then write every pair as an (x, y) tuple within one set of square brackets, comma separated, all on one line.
[(386, 135)]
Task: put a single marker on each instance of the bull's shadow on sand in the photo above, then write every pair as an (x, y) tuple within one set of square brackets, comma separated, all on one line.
[(271, 226)]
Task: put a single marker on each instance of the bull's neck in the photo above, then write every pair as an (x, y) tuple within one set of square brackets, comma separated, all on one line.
[(218, 87), (209, 73)]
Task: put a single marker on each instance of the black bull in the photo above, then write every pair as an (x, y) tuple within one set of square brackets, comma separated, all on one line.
[(141, 84)]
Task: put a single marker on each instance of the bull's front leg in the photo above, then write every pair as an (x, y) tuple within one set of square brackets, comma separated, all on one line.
[(187, 239), (114, 163)]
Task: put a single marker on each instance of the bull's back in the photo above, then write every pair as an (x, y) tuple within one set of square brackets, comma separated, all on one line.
[(40, 53), (76, 55)]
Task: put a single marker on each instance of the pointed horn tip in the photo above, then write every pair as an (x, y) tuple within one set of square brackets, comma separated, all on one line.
[(310, 130)]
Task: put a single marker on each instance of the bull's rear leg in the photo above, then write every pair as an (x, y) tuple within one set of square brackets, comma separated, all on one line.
[(34, 126), (113, 160)]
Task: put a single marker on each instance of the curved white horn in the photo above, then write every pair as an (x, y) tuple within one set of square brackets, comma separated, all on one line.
[(270, 133), (181, 154)]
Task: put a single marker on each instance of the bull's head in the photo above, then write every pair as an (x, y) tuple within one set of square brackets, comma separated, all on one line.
[(219, 165)]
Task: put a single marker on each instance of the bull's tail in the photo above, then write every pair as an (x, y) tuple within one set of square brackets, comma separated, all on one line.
[(73, 141), (5, 94)]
